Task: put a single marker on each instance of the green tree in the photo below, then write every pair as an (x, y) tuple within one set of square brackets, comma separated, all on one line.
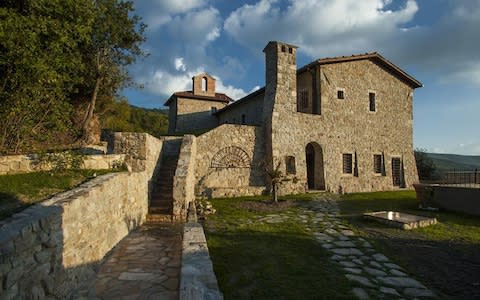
[(114, 44), (40, 62), (425, 166)]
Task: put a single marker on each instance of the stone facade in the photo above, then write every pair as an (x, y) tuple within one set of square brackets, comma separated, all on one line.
[(48, 248), (218, 171), (339, 124)]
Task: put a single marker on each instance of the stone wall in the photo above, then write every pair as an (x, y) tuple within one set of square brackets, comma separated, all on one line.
[(227, 146), (184, 179), (13, 164), (344, 126), (252, 109), (195, 115), (47, 249)]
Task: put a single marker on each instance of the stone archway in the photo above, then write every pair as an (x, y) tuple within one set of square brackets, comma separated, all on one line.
[(315, 170)]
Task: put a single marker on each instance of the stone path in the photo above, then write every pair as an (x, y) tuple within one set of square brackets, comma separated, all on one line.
[(372, 273), (144, 265)]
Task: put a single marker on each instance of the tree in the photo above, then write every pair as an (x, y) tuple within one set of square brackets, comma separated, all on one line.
[(114, 44), (425, 166), (39, 65), (276, 177)]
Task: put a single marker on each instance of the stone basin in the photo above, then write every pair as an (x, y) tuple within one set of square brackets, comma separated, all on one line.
[(400, 220)]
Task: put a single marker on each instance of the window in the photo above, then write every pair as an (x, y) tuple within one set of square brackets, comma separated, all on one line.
[(290, 50), (302, 99), (371, 98), (204, 84), (377, 164), (243, 119), (396, 171), (284, 48), (347, 163), (290, 165), (213, 110), (340, 94)]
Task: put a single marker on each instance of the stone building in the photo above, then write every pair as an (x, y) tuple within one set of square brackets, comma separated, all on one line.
[(341, 124)]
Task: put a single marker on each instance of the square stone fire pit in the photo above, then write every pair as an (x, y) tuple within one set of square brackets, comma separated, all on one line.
[(400, 220)]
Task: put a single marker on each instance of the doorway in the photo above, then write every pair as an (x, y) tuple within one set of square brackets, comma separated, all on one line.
[(315, 171)]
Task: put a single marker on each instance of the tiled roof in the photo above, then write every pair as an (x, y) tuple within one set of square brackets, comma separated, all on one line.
[(242, 100), (373, 56), (219, 97)]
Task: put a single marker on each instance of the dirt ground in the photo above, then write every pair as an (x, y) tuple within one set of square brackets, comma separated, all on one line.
[(449, 268)]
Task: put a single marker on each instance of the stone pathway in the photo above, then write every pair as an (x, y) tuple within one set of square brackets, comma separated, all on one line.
[(372, 273), (144, 265)]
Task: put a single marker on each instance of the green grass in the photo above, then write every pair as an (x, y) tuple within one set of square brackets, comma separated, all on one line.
[(255, 260), (18, 191), (451, 226)]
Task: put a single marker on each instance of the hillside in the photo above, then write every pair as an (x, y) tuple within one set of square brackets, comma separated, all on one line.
[(445, 162), (121, 116)]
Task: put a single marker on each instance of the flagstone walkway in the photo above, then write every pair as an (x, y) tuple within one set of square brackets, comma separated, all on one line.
[(373, 274), (144, 265)]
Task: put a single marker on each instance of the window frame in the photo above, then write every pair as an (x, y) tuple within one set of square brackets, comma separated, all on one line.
[(340, 91), (290, 165), (370, 93), (347, 170), (381, 166)]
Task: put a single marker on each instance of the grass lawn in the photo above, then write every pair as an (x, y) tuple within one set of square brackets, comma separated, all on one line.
[(258, 260), (18, 191), (444, 256)]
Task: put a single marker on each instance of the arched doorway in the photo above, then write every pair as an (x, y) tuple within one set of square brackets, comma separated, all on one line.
[(315, 172)]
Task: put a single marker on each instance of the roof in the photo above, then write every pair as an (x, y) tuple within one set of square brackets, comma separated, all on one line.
[(219, 97), (242, 100), (371, 56)]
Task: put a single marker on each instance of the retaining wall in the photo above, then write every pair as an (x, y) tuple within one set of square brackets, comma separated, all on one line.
[(47, 249)]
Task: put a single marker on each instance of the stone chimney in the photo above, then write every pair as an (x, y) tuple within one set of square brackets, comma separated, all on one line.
[(203, 85)]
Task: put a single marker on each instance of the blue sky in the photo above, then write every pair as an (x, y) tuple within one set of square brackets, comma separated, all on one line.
[(436, 41)]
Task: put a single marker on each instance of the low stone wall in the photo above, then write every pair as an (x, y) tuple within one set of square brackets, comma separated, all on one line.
[(197, 279), (184, 179), (14, 164), (229, 162), (49, 248), (449, 197)]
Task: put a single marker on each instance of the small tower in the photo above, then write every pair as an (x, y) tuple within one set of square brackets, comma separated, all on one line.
[(203, 85)]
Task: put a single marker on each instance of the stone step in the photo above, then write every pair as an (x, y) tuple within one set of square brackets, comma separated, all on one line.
[(155, 217), (160, 203)]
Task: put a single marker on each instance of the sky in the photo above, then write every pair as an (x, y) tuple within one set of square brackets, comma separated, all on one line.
[(435, 41)]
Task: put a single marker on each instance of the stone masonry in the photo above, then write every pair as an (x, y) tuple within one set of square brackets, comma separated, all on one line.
[(340, 124)]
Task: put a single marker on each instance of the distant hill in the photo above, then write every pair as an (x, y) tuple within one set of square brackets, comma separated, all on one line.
[(444, 162), (122, 116)]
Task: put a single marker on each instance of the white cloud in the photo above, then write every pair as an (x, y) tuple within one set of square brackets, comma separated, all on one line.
[(320, 27), (163, 83), (160, 12), (197, 28), (179, 65)]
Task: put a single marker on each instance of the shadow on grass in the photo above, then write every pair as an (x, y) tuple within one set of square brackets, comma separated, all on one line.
[(276, 265), (10, 204), (450, 268)]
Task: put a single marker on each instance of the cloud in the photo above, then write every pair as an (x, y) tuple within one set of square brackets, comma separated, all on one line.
[(320, 27), (447, 47), (179, 65), (164, 83)]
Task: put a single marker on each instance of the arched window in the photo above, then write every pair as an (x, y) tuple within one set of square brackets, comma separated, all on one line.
[(204, 84)]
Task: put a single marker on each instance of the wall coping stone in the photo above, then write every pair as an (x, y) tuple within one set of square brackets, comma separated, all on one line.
[(197, 279)]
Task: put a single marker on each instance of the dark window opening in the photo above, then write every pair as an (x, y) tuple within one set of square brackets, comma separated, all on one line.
[(290, 165), (302, 98), (283, 48), (377, 164), (341, 94), (396, 171), (290, 50), (243, 119), (371, 98), (347, 163)]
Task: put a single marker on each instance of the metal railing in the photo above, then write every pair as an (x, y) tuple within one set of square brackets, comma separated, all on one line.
[(463, 178)]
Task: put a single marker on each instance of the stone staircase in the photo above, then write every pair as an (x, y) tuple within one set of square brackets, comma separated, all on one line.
[(161, 196)]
